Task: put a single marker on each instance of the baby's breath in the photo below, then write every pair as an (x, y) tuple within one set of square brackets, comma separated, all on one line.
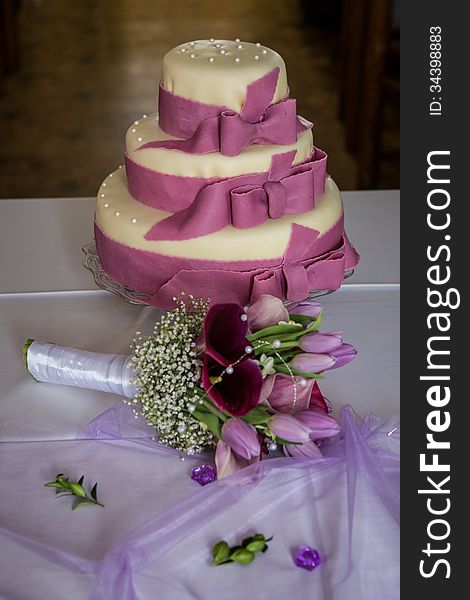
[(167, 371)]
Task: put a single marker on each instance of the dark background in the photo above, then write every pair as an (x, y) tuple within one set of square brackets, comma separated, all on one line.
[(75, 74)]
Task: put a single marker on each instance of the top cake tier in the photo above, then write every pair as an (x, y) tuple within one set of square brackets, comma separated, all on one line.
[(219, 71)]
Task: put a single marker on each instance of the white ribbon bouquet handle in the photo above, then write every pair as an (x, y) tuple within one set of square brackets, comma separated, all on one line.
[(99, 371)]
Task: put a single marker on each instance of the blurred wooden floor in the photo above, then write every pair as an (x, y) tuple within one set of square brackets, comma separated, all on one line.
[(88, 69)]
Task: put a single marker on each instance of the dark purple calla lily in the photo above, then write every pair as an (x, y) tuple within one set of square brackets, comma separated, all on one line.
[(236, 393), (318, 400), (225, 333)]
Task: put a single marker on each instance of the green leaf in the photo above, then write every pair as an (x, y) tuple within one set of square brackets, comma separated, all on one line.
[(243, 556), (55, 484), (93, 492), (80, 503), (220, 553), (210, 420), (302, 319), (272, 331), (257, 415), (306, 374), (287, 442), (78, 490)]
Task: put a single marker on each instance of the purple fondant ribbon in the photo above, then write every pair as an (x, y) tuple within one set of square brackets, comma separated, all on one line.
[(210, 128), (310, 262), (298, 274), (247, 201)]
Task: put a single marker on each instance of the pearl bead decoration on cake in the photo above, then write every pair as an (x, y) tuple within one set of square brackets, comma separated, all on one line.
[(134, 220), (229, 370), (237, 39), (258, 45), (106, 204), (222, 51), (264, 51), (183, 50), (248, 349), (139, 139), (133, 130), (102, 195), (211, 59), (303, 382), (237, 60), (117, 213), (192, 55), (104, 184), (244, 317), (277, 344), (211, 40), (240, 46), (256, 57)]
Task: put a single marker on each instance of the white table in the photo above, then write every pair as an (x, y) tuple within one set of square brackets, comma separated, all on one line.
[(45, 293)]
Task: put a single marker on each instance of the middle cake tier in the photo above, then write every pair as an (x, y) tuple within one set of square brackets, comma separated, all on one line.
[(170, 179)]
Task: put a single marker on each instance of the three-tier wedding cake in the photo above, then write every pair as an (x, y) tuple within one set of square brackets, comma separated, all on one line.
[(224, 194)]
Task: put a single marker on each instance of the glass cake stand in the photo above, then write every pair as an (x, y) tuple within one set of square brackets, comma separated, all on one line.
[(92, 263)]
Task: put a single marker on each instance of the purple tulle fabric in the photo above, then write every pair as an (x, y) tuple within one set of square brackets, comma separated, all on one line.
[(153, 538)]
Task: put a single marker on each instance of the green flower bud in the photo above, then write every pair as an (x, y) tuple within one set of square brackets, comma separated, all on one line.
[(242, 556), (220, 553), (256, 546)]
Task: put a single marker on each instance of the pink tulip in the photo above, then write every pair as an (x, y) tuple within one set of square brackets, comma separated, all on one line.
[(321, 342), (225, 460), (312, 363), (306, 450), (309, 308), (321, 426), (241, 437), (285, 394), (265, 312), (289, 428)]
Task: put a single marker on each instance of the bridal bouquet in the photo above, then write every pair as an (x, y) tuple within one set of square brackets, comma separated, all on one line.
[(242, 380)]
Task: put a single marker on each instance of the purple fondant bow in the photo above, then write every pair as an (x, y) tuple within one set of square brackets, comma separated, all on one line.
[(212, 128), (249, 200), (297, 275)]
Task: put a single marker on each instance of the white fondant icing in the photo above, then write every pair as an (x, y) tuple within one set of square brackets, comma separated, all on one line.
[(268, 240), (223, 81), (254, 159)]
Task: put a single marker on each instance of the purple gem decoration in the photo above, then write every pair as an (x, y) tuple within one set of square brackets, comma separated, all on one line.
[(204, 474), (307, 558)]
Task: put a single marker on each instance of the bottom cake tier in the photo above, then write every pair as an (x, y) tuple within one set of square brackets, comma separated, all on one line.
[(286, 257)]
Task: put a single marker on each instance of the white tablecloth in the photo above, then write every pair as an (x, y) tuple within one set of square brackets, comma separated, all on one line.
[(46, 294)]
